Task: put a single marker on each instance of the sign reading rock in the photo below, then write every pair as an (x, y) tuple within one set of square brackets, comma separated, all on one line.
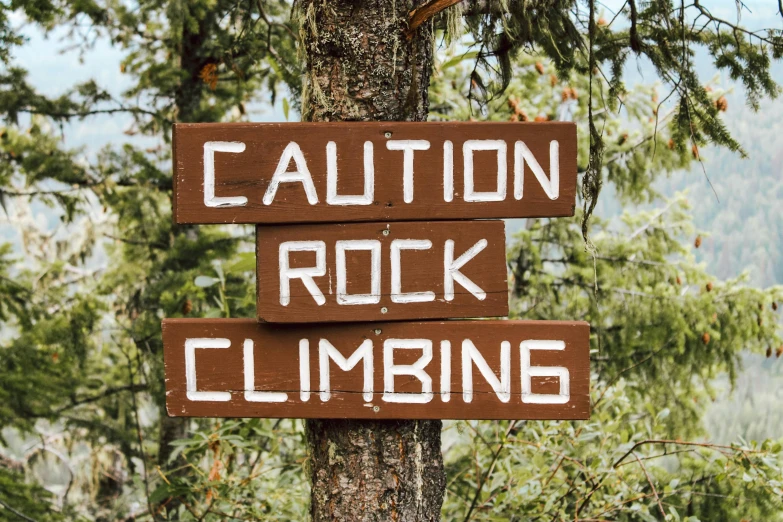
[(381, 271), (417, 370), (372, 171)]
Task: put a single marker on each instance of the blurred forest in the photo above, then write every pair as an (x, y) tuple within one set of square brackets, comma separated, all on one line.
[(685, 358), (742, 231)]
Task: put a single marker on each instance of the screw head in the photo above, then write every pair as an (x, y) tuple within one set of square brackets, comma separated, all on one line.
[(377, 331), (376, 409), (387, 134), (386, 232), (384, 310)]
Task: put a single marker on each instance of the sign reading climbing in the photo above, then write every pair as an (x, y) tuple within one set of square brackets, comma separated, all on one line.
[(372, 171), (396, 370)]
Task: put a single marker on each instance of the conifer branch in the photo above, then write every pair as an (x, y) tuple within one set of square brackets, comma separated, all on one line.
[(17, 513), (106, 393)]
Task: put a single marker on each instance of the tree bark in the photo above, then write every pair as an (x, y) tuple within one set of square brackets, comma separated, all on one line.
[(362, 67)]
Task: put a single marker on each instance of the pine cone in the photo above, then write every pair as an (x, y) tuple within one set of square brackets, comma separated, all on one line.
[(709, 287), (697, 242), (705, 338), (187, 307), (540, 67), (722, 104)]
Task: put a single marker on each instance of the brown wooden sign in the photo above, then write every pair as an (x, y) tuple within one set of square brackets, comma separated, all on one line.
[(372, 171), (398, 370), (381, 271)]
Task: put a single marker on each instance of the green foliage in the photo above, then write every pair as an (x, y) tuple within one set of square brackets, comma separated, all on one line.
[(620, 465), (666, 33), (229, 463), (20, 500), (81, 301)]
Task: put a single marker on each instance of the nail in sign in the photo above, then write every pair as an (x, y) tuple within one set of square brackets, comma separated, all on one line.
[(418, 370), (381, 271), (372, 171)]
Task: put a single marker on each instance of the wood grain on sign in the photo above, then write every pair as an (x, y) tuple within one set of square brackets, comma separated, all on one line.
[(372, 171), (381, 271), (397, 370)]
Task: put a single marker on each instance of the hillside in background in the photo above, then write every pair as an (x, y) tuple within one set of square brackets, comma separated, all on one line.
[(744, 224), (742, 231)]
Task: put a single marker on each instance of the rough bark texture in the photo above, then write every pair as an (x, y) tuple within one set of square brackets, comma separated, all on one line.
[(362, 67)]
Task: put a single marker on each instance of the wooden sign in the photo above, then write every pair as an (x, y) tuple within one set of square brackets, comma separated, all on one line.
[(398, 370), (372, 171), (381, 271)]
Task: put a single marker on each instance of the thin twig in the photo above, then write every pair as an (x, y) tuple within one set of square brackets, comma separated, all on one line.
[(17, 513), (649, 481), (486, 475), (717, 447), (138, 432)]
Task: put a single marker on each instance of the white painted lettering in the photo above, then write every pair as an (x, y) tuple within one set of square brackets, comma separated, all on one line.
[(251, 395), (470, 355), (397, 296), (467, 151), (390, 370), (445, 371), (210, 148), (543, 371), (448, 171), (305, 274), (407, 146), (283, 175), (191, 389), (332, 198), (452, 268), (304, 370), (523, 155), (374, 247), (327, 351)]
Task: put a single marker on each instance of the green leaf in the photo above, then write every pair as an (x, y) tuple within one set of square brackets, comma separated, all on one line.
[(205, 281), (457, 59), (244, 262), (285, 108)]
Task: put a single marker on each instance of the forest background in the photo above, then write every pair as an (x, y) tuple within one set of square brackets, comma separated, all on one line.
[(63, 465)]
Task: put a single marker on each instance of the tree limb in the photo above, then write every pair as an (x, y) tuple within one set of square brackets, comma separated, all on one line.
[(421, 14)]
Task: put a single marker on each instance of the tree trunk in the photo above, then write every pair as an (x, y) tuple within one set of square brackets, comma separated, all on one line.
[(361, 67), (187, 100)]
